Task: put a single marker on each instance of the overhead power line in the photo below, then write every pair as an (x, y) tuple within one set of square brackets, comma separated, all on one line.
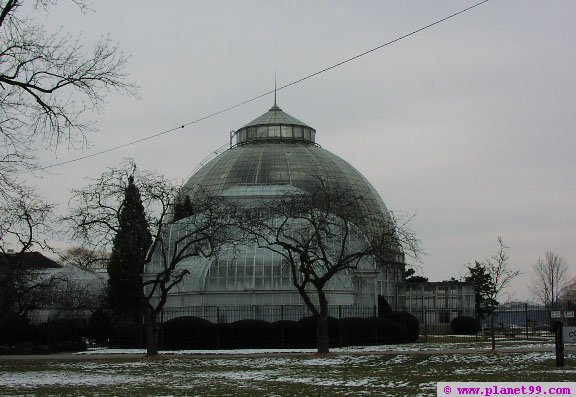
[(211, 115)]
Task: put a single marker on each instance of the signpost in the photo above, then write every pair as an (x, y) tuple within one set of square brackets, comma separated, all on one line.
[(563, 335), (559, 344), (569, 334)]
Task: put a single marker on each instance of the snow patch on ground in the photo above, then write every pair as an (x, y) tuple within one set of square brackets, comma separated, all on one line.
[(412, 347), (33, 379)]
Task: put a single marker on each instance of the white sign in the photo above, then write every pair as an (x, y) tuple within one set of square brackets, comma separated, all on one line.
[(555, 314), (569, 314), (569, 334)]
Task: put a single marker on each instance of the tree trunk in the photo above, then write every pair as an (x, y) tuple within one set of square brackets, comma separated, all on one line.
[(322, 339), (150, 331)]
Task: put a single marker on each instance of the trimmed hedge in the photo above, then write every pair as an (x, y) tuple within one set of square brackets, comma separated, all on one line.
[(408, 321), (465, 325), (197, 333), (188, 333), (246, 334), (308, 325), (287, 334), (359, 331)]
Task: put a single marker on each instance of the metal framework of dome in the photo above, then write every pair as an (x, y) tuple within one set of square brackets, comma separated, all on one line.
[(276, 154)]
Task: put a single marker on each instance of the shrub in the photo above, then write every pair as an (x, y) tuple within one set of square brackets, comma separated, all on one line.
[(309, 331), (465, 325), (383, 306), (287, 334), (58, 331), (17, 330), (359, 331), (408, 321), (126, 335), (248, 333), (188, 333), (99, 326), (59, 335), (390, 331)]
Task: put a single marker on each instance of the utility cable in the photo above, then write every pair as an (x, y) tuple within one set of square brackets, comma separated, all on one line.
[(211, 115)]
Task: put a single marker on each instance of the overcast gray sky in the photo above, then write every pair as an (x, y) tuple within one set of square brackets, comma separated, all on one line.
[(469, 124)]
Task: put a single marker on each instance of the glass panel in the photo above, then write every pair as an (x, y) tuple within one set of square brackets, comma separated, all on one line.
[(313, 136), (274, 131), (286, 131), (306, 134), (298, 132), (251, 133), (249, 280), (262, 132)]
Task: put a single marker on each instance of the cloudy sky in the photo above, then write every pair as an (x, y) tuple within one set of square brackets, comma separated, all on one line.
[(469, 124)]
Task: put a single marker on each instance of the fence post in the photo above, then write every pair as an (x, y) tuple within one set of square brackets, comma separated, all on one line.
[(425, 325), (340, 325), (217, 327), (526, 318), (161, 329), (282, 327)]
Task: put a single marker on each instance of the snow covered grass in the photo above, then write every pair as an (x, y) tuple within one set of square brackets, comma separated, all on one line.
[(410, 347), (342, 373)]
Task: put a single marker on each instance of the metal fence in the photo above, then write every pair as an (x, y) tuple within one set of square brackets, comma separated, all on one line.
[(516, 322)]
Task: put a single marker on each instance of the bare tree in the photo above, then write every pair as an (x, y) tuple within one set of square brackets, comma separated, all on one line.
[(24, 221), (569, 295), (49, 83), (318, 237), (94, 217), (85, 258), (551, 278), (203, 233), (75, 293), (501, 275)]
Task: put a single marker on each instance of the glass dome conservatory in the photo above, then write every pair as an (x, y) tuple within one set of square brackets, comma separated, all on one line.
[(275, 154)]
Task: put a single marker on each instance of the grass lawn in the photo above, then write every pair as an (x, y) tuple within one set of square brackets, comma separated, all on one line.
[(338, 374)]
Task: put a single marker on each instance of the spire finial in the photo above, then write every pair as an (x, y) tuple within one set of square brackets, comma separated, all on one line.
[(275, 106), (275, 89)]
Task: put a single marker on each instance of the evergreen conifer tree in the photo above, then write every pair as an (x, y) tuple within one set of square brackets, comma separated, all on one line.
[(131, 244), (483, 285)]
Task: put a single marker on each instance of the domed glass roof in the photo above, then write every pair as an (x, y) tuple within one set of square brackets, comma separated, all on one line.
[(265, 166)]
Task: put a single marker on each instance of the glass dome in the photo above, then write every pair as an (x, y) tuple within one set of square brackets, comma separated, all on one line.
[(258, 166), (275, 155)]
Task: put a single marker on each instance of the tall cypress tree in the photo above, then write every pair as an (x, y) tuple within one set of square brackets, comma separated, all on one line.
[(483, 285), (131, 244)]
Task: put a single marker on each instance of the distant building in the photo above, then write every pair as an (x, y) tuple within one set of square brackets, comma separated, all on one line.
[(59, 291), (74, 292), (438, 302)]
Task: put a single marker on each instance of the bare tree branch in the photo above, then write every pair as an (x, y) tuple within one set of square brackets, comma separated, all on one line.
[(551, 279), (318, 237)]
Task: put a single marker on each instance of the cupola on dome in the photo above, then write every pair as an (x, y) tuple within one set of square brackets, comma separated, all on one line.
[(275, 125)]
